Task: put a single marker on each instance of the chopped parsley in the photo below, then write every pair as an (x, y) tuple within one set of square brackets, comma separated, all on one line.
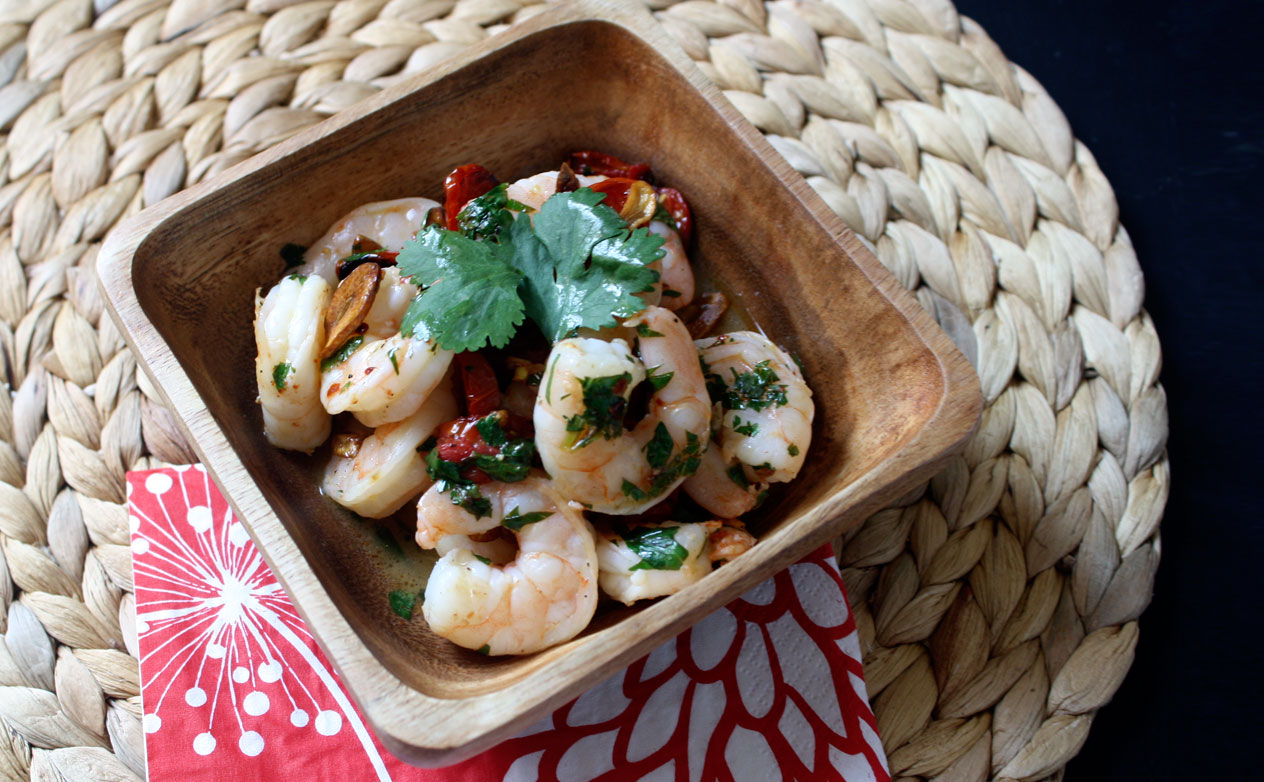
[(659, 382), (485, 649), (391, 355), (482, 559), (292, 254), (463, 493), (748, 428), (658, 449), (280, 373), (299, 278), (738, 475), (656, 546), (792, 449), (511, 464), (516, 520), (402, 602), (752, 390), (671, 293), (643, 330), (343, 353), (682, 465), (605, 402), (576, 266)]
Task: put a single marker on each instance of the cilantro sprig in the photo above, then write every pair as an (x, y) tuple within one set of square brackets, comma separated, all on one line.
[(575, 265), (656, 546)]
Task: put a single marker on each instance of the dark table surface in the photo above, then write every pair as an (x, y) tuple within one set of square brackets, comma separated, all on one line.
[(1168, 97)]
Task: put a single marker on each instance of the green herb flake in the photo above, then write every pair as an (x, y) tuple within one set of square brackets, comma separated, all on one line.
[(299, 278), (343, 353), (280, 374), (402, 602), (643, 330), (605, 402), (516, 520), (391, 355), (747, 428), (658, 449), (482, 559), (656, 546), (760, 498), (463, 493), (491, 431), (659, 382), (485, 649), (631, 490), (738, 475), (672, 294), (755, 389), (792, 449), (292, 254), (488, 215)]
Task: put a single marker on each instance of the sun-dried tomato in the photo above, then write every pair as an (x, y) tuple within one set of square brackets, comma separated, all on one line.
[(463, 185), (591, 162), (678, 208)]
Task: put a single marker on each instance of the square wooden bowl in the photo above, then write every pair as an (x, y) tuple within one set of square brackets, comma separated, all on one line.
[(893, 396)]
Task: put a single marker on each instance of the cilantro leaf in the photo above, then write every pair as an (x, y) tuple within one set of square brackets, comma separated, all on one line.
[(343, 353), (656, 546), (581, 267), (470, 295), (488, 215)]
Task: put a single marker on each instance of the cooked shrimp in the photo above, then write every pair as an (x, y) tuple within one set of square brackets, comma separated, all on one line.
[(533, 191), (624, 575), (386, 380), (388, 223), (394, 294), (579, 416), (387, 470), (289, 331), (546, 595), (677, 274), (724, 493), (627, 577)]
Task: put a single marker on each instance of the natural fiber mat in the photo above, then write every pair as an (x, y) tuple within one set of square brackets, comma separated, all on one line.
[(998, 603)]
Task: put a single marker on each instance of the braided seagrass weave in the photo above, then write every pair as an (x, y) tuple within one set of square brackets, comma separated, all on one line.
[(998, 603)]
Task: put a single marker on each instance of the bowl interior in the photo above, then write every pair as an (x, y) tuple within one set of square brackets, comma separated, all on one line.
[(517, 111)]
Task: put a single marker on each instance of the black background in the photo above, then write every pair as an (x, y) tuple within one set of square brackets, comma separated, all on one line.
[(1167, 96)]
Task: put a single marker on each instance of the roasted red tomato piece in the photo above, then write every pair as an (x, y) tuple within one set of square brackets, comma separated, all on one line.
[(591, 162), (478, 383), (463, 185), (616, 191), (678, 208)]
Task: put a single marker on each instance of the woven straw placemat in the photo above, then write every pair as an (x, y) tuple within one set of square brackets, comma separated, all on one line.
[(998, 603)]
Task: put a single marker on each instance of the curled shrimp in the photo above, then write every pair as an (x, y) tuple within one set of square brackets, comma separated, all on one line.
[(579, 414), (388, 375), (387, 471), (388, 223), (289, 331), (677, 274), (546, 595), (533, 191), (766, 428), (691, 550)]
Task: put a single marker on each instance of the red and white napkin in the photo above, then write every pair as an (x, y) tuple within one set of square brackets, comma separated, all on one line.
[(235, 688)]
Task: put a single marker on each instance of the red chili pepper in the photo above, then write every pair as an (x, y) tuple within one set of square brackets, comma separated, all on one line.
[(616, 190), (463, 185), (478, 380), (590, 162), (678, 208)]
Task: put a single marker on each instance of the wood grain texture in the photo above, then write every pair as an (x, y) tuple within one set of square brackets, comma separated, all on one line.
[(894, 397)]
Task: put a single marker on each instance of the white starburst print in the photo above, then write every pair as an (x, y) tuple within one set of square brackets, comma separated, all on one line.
[(227, 664)]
